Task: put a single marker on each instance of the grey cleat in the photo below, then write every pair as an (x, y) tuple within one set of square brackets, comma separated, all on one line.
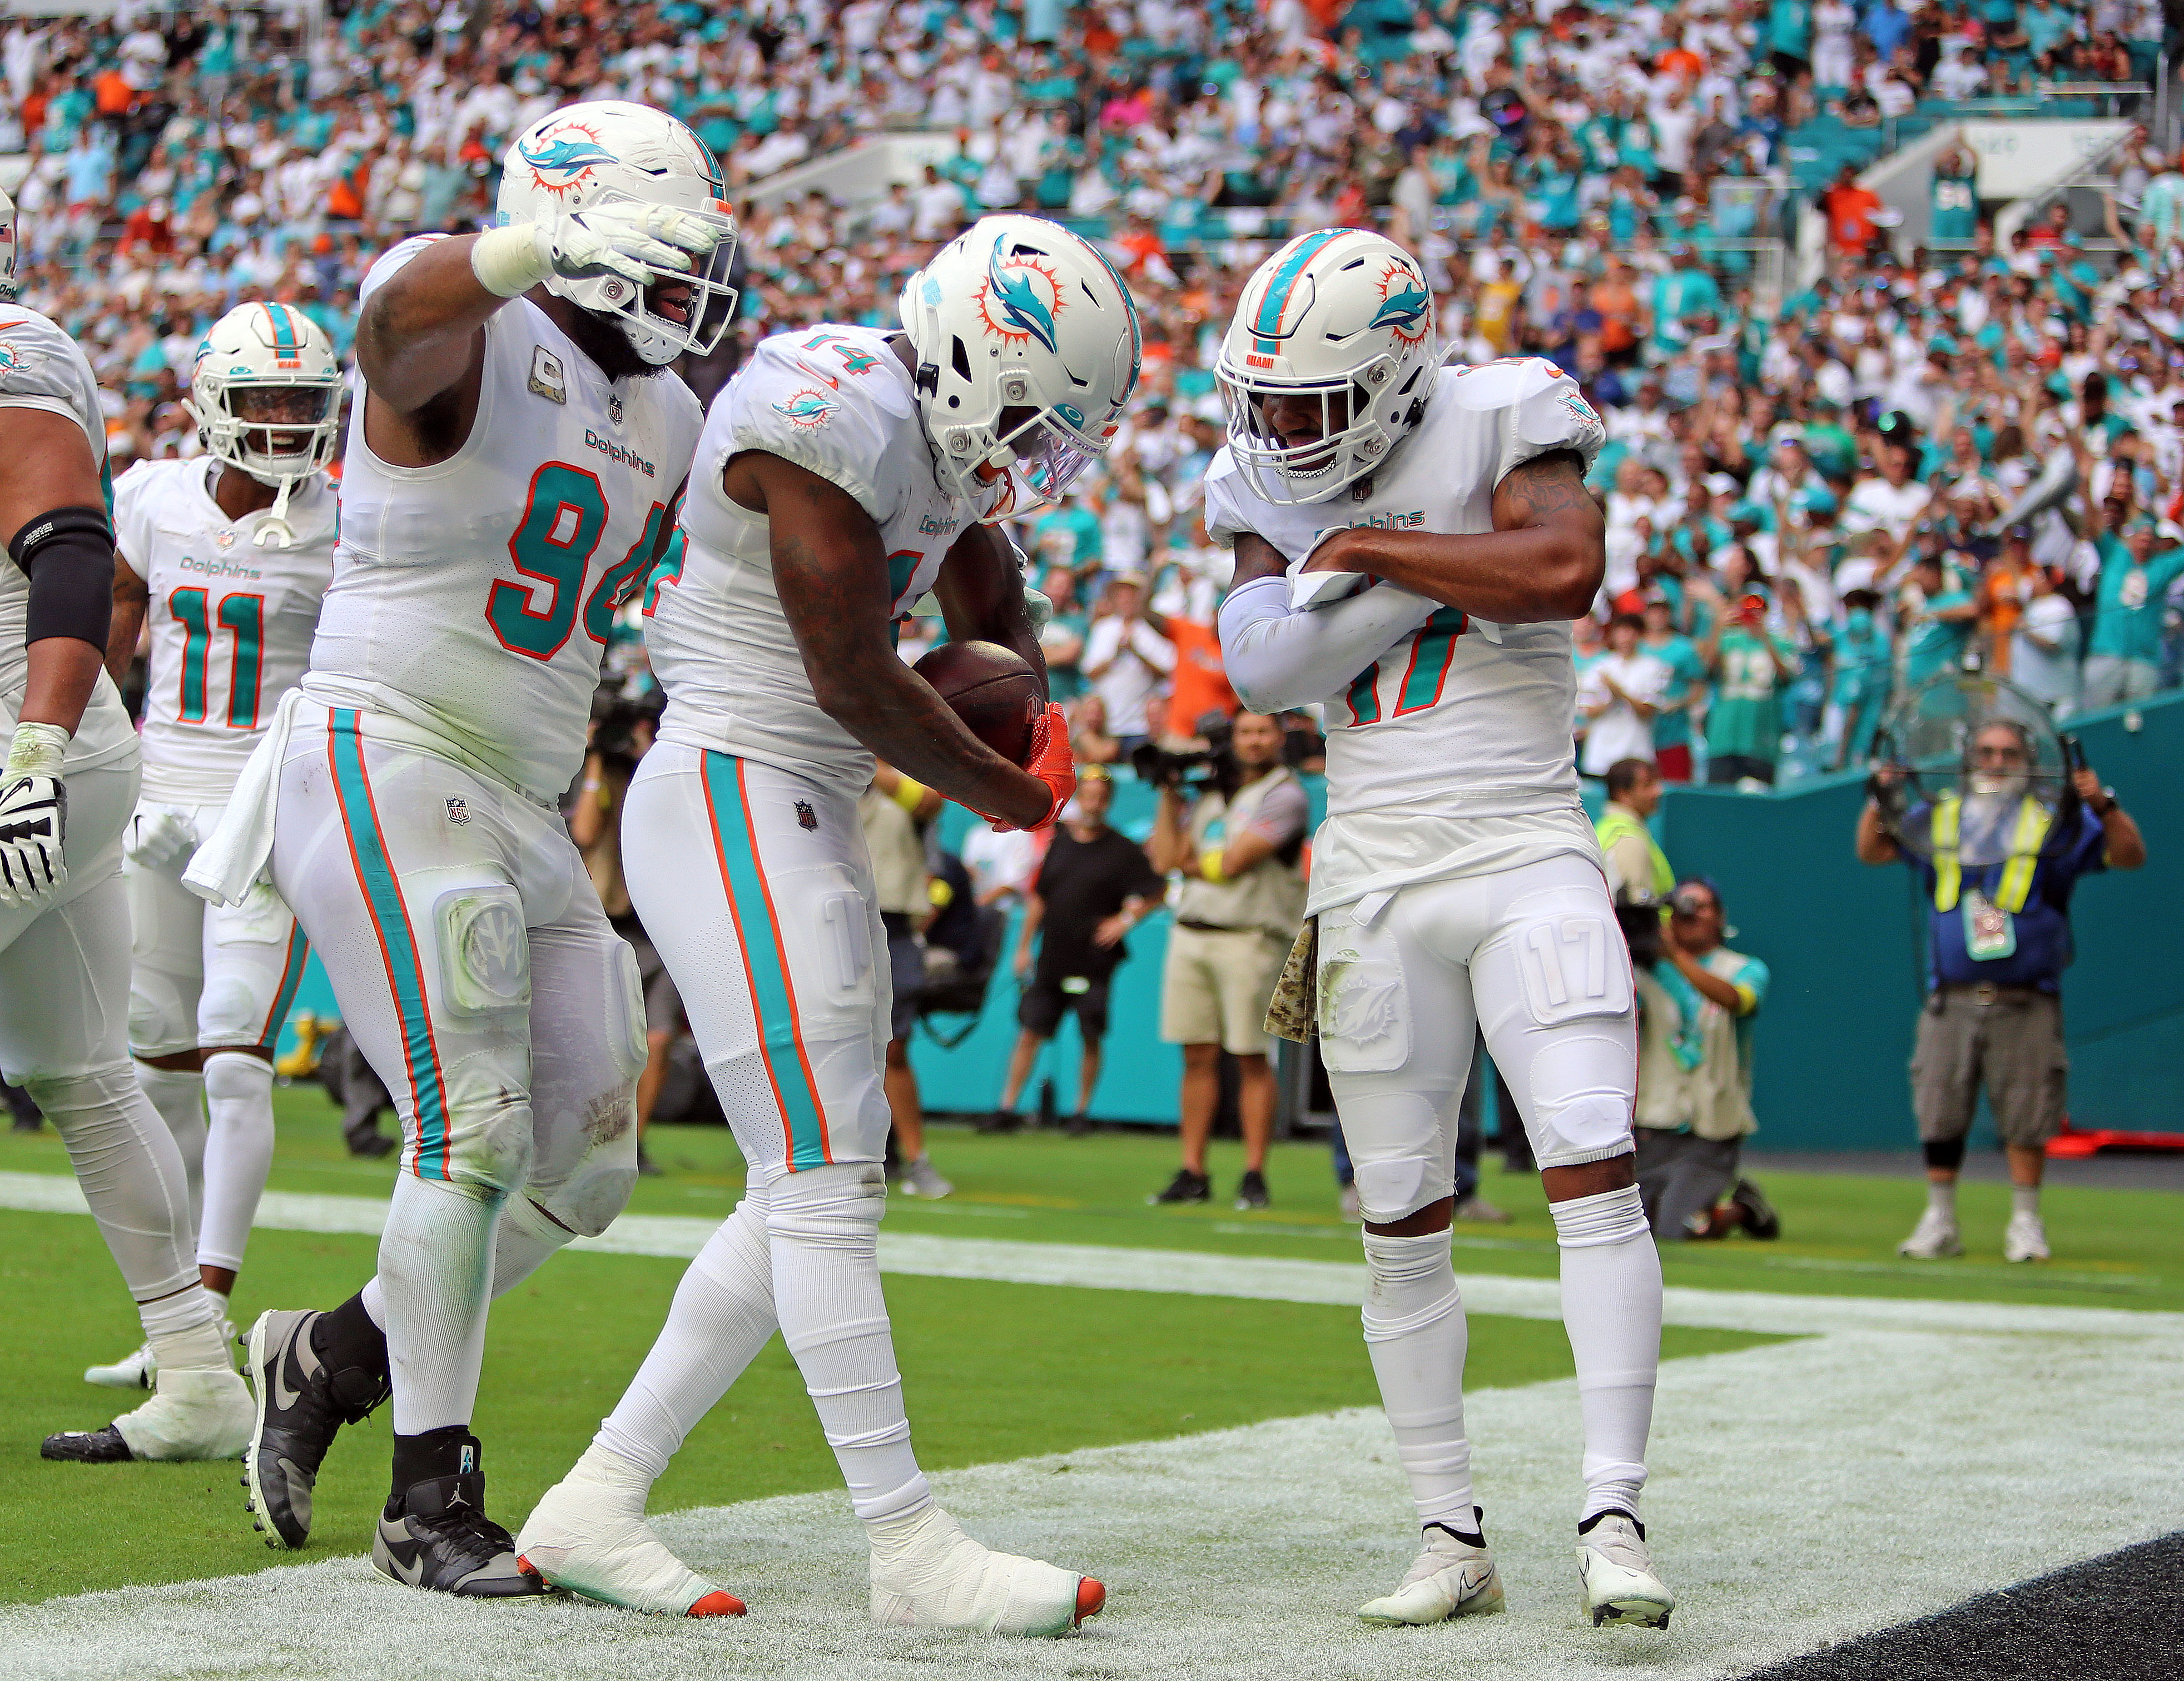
[(441, 1541), (300, 1406)]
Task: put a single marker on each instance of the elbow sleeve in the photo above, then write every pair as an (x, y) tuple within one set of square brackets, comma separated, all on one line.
[(1276, 658), (68, 555)]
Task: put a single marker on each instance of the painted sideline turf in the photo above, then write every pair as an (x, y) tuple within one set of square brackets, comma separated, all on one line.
[(1804, 1492), (1185, 1273)]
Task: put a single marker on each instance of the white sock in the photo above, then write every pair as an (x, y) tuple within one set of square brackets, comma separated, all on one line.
[(179, 1096), (184, 1331), (2024, 1199), (373, 1296), (1416, 1335), (1611, 1310), (238, 1154), (823, 1227), (219, 1300), (722, 1315), (435, 1276), (1941, 1198), (131, 1174)]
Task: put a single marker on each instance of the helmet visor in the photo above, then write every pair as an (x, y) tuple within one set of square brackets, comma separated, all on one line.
[(689, 309), (277, 428), (1051, 455)]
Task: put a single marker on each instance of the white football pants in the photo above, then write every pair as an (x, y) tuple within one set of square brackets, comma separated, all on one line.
[(756, 888), (224, 977), (1533, 957), (64, 1038), (481, 980)]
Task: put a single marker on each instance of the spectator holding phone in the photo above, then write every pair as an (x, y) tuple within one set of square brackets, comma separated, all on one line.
[(1752, 668)]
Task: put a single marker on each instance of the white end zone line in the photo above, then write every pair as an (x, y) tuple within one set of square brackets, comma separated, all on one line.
[(1187, 1273)]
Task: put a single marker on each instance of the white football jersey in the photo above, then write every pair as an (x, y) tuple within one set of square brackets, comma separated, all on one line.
[(232, 622), (478, 594), (1452, 752), (41, 367), (836, 401)]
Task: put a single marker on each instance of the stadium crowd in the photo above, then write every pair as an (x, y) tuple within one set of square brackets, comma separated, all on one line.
[(1803, 491)]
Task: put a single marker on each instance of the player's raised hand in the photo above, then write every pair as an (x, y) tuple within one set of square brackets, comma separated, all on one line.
[(33, 817), (637, 242)]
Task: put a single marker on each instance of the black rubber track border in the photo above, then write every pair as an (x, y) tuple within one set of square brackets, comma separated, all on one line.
[(2117, 1617)]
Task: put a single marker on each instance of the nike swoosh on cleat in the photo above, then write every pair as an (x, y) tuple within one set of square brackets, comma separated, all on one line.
[(412, 1574)]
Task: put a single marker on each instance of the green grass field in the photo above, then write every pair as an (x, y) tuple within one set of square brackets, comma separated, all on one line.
[(993, 1370)]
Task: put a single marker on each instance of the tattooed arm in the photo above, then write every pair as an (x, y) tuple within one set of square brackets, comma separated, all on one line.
[(830, 573), (1544, 558), (982, 595)]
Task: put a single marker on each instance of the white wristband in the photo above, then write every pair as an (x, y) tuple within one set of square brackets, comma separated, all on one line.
[(506, 261), (37, 749)]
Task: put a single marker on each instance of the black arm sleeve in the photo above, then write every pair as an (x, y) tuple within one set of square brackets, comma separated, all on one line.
[(68, 555)]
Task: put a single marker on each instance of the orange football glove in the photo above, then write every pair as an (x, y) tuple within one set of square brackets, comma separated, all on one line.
[(1051, 759)]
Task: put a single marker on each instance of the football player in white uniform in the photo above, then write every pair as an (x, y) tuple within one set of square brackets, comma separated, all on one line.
[(1412, 541), (844, 474), (513, 466), (229, 555), (66, 796)]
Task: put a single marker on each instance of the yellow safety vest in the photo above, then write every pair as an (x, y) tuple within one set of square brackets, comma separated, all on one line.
[(2033, 820), (1614, 824)]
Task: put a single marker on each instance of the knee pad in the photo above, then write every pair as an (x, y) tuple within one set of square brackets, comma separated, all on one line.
[(65, 1097), (234, 1074), (1595, 1222), (591, 1198), (1946, 1154), (160, 1023), (835, 1206), (536, 1223)]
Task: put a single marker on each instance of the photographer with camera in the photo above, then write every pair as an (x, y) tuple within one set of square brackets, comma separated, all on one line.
[(1696, 999), (1232, 824), (1997, 877), (623, 728)]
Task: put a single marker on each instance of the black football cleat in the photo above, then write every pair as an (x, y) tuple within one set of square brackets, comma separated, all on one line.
[(1185, 1186), (301, 1405), (441, 1541), (87, 1447)]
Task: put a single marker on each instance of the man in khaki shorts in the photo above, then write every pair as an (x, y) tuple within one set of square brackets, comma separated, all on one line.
[(1998, 940), (1237, 849)]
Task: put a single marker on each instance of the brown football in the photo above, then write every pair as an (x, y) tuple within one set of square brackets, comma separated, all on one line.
[(992, 689)]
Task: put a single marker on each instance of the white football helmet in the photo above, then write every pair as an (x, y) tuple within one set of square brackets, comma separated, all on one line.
[(8, 283), (1028, 348), (266, 393), (608, 150), (1343, 316)]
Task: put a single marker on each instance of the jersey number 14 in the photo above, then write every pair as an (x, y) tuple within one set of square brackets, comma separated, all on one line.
[(563, 521)]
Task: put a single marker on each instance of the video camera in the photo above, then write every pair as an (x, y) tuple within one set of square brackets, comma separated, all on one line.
[(1213, 766), (616, 713)]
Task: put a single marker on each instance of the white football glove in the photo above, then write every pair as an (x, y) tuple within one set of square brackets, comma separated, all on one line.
[(639, 242), (33, 815), (157, 833)]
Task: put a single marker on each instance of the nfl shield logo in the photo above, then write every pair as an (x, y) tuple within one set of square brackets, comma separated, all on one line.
[(806, 818), (614, 409), (459, 809)]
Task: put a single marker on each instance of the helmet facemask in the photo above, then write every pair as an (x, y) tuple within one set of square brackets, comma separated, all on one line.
[(1351, 438), (657, 337)]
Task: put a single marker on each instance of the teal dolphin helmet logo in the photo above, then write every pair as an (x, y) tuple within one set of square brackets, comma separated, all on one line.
[(1020, 298), (567, 154), (1403, 306)]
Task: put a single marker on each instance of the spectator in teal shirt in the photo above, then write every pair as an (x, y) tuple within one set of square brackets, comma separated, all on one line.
[(1937, 613), (1686, 688), (1862, 674), (2123, 660), (1752, 668), (1069, 536)]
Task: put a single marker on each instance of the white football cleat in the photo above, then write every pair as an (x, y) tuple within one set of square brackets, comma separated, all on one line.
[(927, 1573), (921, 1179), (139, 1370), (2025, 1239), (131, 1371), (1934, 1239), (1616, 1574), (589, 1534), (1451, 1578)]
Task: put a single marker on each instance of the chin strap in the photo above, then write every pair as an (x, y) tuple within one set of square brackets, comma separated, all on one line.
[(275, 525)]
